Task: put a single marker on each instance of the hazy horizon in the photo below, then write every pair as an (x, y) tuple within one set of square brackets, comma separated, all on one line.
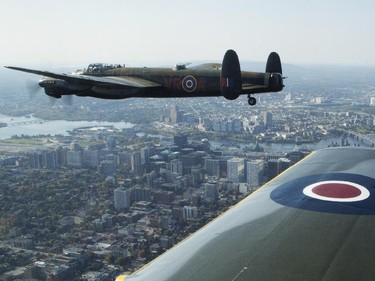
[(77, 33)]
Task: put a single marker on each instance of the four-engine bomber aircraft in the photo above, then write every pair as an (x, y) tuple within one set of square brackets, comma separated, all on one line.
[(119, 82), (314, 222)]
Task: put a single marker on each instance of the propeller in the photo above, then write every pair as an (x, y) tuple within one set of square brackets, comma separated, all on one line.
[(32, 88), (35, 88), (67, 99)]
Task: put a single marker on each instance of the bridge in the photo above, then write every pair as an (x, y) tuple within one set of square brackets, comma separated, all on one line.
[(26, 122), (364, 138)]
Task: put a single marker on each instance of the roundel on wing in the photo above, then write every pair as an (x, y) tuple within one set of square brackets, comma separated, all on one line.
[(189, 84), (340, 193)]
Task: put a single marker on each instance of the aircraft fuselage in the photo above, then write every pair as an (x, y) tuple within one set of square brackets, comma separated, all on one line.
[(174, 83)]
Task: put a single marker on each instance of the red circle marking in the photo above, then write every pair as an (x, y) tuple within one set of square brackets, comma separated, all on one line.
[(336, 190)]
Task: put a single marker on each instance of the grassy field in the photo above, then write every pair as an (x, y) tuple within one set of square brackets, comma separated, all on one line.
[(24, 141)]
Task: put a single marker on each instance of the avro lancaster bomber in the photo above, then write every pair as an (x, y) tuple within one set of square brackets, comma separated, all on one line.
[(115, 81)]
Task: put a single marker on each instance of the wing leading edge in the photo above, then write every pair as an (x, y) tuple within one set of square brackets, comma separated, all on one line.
[(281, 233), (121, 81)]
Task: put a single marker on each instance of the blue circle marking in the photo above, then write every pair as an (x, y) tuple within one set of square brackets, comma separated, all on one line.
[(189, 84), (313, 193)]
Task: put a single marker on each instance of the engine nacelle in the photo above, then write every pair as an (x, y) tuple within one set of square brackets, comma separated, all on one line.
[(230, 77), (52, 94), (58, 87)]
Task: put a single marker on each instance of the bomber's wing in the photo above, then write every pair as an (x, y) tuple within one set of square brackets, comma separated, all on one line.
[(208, 66), (124, 81), (313, 222)]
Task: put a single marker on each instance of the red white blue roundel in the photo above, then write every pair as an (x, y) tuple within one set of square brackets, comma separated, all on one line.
[(332, 193), (189, 84)]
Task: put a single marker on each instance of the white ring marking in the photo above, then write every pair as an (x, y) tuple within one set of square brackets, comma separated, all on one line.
[(364, 192)]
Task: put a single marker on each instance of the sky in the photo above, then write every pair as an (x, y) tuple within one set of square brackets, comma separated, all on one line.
[(70, 32)]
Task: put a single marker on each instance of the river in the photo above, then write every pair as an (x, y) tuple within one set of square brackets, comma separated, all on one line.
[(31, 126)]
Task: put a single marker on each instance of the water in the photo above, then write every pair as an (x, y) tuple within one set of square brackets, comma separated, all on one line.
[(35, 126)]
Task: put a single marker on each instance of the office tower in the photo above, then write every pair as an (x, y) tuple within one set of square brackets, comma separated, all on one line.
[(136, 163), (180, 140), (175, 166), (176, 115), (267, 119), (212, 167), (74, 158), (254, 173), (235, 169), (146, 153), (141, 194), (189, 212), (210, 191), (122, 198)]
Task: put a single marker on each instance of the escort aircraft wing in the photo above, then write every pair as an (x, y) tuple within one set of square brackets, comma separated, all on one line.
[(118, 82), (313, 222)]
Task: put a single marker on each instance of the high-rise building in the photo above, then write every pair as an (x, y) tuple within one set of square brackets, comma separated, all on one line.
[(122, 198), (146, 153), (190, 212), (50, 159), (267, 119), (176, 114), (91, 158), (212, 167), (180, 140), (210, 191), (141, 194), (175, 166), (61, 156), (288, 97), (254, 173), (136, 162), (277, 166), (111, 143), (235, 169), (74, 158)]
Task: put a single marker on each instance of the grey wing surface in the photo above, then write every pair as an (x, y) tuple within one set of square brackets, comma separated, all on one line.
[(280, 233)]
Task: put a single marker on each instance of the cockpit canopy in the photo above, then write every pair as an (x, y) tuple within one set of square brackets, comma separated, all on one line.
[(100, 67)]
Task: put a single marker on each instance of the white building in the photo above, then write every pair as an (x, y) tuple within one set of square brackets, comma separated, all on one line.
[(253, 173), (235, 169)]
